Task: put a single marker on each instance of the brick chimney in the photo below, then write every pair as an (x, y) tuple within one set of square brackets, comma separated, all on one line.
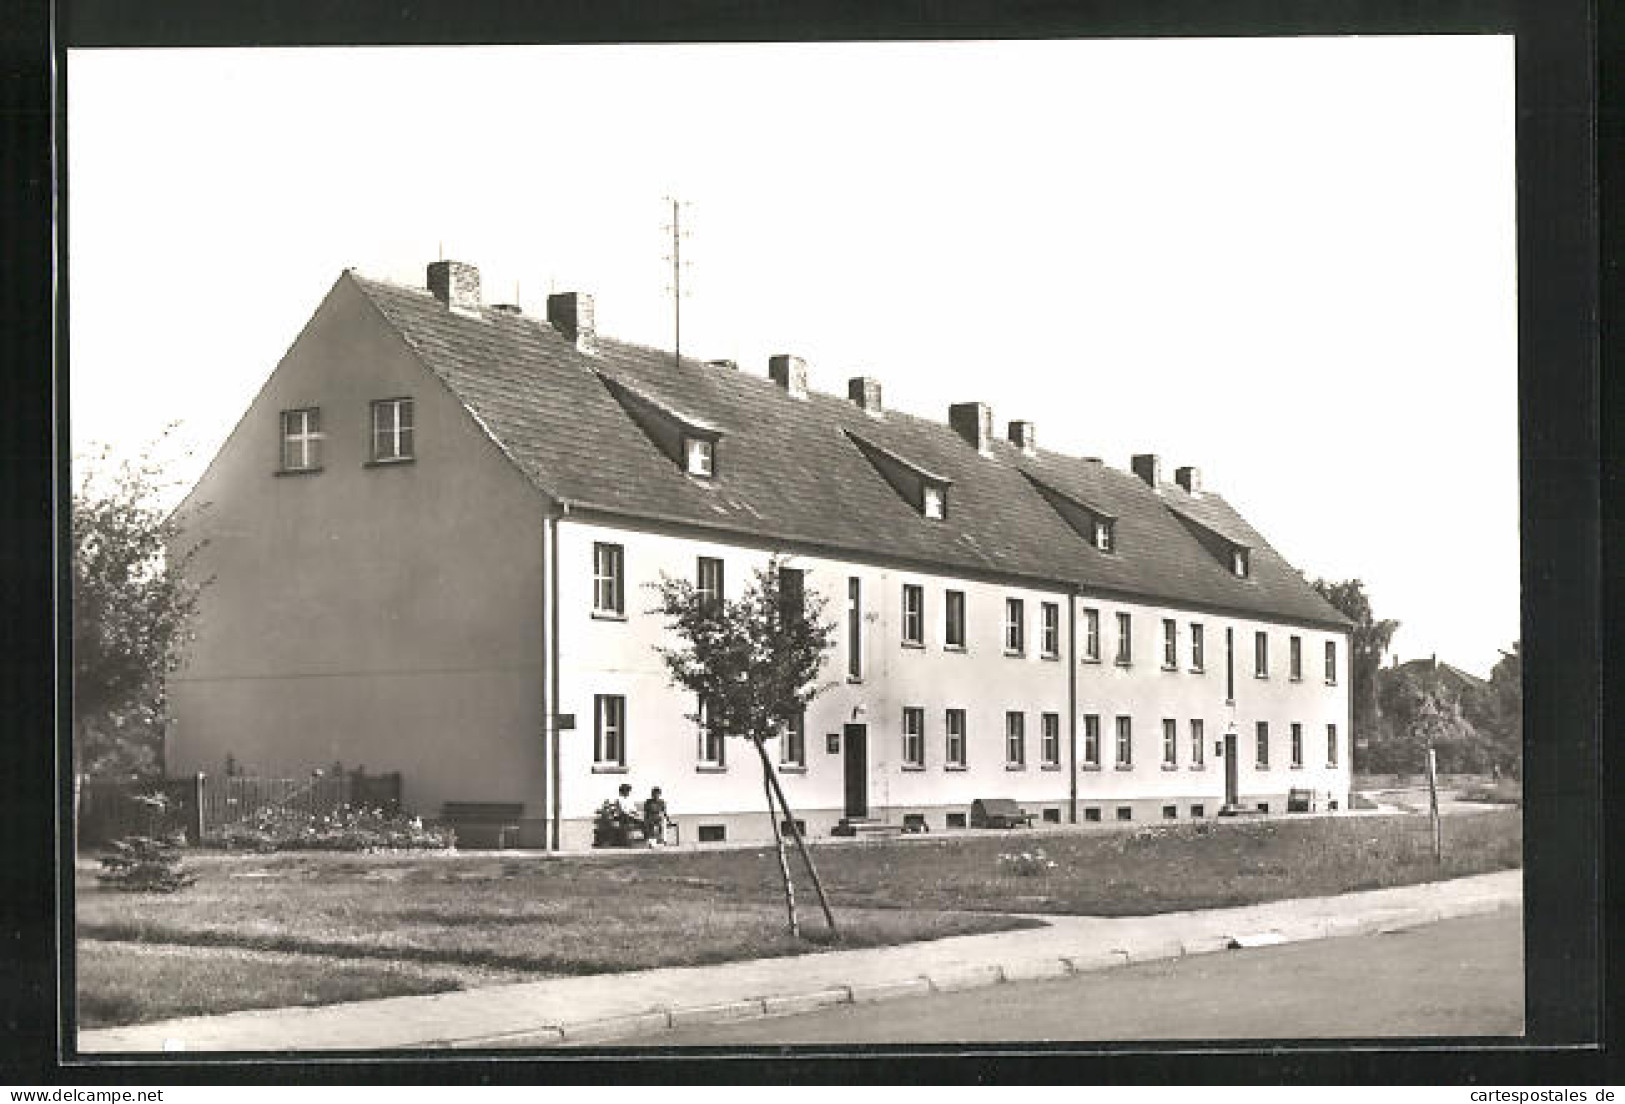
[(865, 391), (1024, 435), (1189, 478), (455, 284), (1149, 468), (571, 313), (974, 422), (790, 373)]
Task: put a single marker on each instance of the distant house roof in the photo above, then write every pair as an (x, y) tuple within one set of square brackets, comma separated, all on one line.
[(791, 470), (1432, 667)]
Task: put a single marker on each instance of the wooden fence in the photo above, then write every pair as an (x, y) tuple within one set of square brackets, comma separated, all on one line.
[(203, 804)]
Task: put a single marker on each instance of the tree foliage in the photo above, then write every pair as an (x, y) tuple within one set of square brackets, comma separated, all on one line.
[(1368, 640), (753, 665), (754, 661), (133, 605)]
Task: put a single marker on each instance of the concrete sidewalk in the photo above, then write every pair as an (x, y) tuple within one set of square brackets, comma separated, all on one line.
[(641, 1005)]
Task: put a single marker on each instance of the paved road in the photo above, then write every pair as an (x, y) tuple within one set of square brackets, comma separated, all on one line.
[(1458, 977)]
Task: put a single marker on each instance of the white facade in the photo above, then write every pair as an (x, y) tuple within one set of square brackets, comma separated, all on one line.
[(614, 655)]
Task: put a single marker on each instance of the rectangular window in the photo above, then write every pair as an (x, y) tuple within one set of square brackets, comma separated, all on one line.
[(1197, 812), (1198, 743), (1050, 739), (1091, 635), (1104, 539), (953, 755), (1170, 742), (1015, 626), (700, 456), (1125, 743), (1091, 816), (1170, 644), (1051, 630), (1263, 745), (302, 440), (1295, 659), (955, 820), (1331, 663), (934, 503), (854, 628), (609, 730), (1125, 812), (1091, 740), (792, 595), (1238, 562), (1125, 639), (710, 583), (1229, 665), (608, 581), (953, 619), (913, 615), (1297, 745), (1198, 660), (913, 737), (391, 430), (1261, 655), (712, 752), (1170, 812), (1015, 739), (793, 743), (1331, 745), (1052, 816), (713, 833)]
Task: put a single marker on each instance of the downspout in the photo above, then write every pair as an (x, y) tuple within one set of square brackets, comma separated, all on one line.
[(553, 668), (1072, 703)]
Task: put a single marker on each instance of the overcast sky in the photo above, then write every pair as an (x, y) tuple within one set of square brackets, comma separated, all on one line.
[(1290, 263)]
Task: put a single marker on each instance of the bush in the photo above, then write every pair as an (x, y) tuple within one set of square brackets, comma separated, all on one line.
[(146, 864), (1027, 864), (348, 828)]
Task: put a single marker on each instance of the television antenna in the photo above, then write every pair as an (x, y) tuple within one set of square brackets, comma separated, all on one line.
[(675, 257)]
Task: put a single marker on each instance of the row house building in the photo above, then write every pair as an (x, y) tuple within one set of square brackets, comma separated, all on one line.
[(432, 534)]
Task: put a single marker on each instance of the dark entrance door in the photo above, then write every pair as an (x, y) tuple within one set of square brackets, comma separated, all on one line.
[(1231, 796), (855, 746)]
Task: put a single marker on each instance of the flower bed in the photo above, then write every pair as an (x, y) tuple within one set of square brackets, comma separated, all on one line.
[(347, 828)]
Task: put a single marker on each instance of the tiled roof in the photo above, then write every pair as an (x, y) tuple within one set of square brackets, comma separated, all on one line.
[(787, 469)]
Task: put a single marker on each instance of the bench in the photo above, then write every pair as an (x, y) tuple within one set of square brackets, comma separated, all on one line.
[(998, 812), (483, 823)]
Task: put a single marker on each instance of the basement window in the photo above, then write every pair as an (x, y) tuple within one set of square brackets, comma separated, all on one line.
[(1125, 813), (1170, 812), (1091, 816), (956, 820), (713, 833), (1198, 812), (1052, 816)]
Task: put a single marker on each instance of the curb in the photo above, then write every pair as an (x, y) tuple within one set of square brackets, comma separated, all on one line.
[(969, 977)]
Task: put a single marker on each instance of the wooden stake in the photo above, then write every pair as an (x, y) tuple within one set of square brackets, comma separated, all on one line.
[(1433, 807), (801, 845), (778, 842)]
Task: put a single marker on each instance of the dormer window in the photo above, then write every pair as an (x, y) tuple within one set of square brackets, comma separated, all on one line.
[(690, 444), (700, 456), (926, 491), (1105, 538), (1239, 562), (1090, 522)]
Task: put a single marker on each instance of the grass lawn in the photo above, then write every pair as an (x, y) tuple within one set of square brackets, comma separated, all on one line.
[(540, 915), (121, 983)]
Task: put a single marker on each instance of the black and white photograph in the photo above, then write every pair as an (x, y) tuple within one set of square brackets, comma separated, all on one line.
[(641, 547)]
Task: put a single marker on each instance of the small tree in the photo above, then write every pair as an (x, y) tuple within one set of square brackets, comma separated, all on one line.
[(133, 605), (754, 664)]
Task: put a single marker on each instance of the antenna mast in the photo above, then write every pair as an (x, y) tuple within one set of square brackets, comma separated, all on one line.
[(676, 286)]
